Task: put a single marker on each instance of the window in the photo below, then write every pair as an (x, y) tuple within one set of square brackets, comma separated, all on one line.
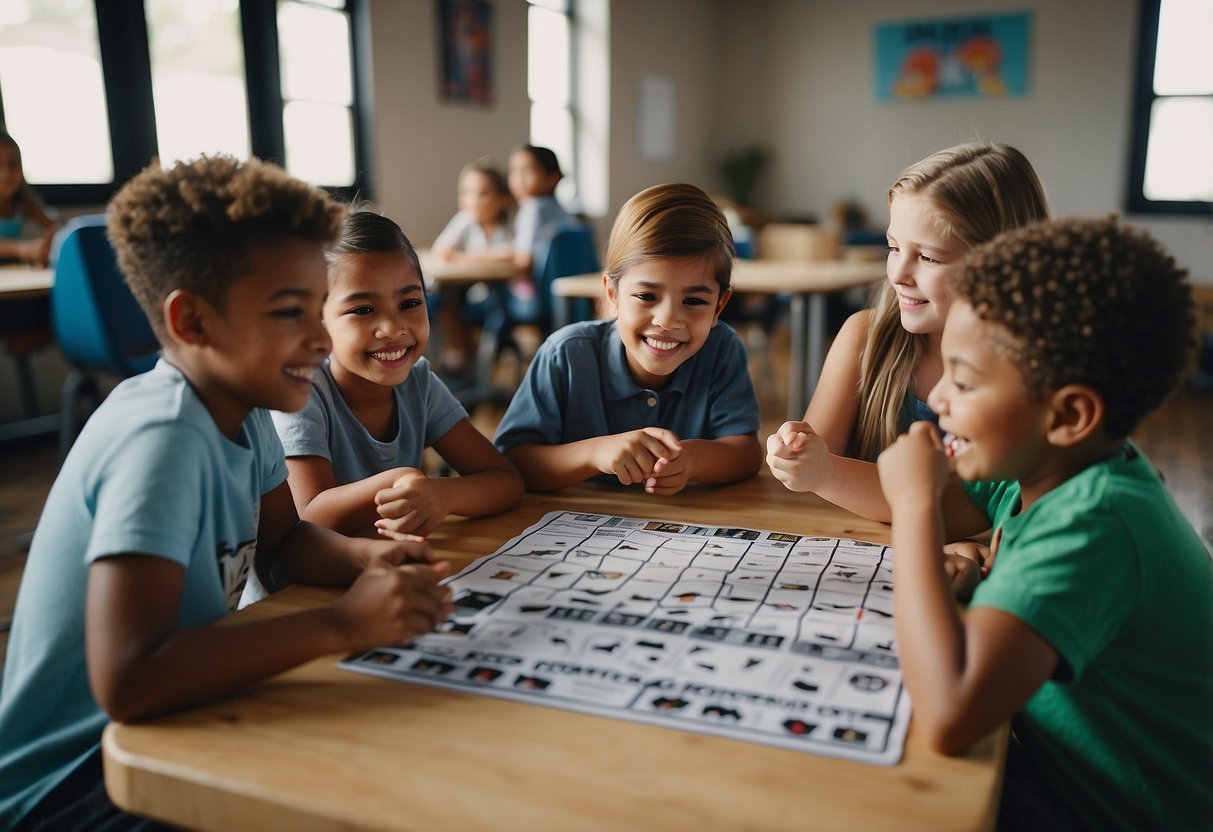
[(1171, 164), (49, 53), (94, 89), (550, 85)]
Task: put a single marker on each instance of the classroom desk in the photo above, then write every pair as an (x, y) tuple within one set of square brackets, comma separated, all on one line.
[(807, 282), (465, 273), (319, 748), (20, 282)]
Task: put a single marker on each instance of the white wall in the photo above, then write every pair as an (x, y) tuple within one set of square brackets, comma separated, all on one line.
[(795, 75), (420, 141), (832, 140)]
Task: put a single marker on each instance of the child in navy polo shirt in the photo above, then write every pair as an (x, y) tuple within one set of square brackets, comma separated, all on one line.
[(660, 395)]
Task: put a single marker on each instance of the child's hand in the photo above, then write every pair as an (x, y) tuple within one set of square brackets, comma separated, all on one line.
[(389, 605), (670, 476), (36, 252), (400, 550), (979, 553), (799, 458), (915, 466), (632, 456), (964, 572), (413, 505)]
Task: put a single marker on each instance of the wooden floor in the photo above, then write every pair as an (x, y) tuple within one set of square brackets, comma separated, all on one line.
[(1175, 438)]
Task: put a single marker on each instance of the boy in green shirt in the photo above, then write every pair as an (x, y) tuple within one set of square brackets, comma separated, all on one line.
[(1094, 624)]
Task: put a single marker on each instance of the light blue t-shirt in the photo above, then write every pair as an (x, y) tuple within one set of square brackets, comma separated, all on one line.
[(464, 234), (579, 386), (537, 218), (327, 428), (12, 228), (149, 474)]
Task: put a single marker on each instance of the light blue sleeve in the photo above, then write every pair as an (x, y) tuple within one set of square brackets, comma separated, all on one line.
[(305, 432), (454, 235), (442, 410), (734, 404), (149, 499), (536, 413)]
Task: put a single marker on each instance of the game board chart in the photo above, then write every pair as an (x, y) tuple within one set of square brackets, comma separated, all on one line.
[(751, 634)]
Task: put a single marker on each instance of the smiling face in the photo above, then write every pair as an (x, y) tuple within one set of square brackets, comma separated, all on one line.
[(265, 341), (376, 315), (478, 197), (921, 259), (666, 307), (997, 431)]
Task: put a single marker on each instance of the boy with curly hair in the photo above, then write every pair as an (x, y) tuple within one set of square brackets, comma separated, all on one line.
[(1093, 626), (176, 489)]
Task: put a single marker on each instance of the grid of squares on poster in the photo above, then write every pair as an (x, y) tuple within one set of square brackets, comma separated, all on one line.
[(752, 634)]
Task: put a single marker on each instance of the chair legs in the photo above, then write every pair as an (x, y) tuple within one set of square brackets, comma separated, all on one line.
[(80, 397)]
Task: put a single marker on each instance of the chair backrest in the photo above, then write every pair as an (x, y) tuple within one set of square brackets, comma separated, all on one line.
[(97, 321), (569, 250)]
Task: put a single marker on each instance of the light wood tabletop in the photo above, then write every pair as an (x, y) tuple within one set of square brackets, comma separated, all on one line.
[(463, 271), (320, 748), (18, 281), (808, 283)]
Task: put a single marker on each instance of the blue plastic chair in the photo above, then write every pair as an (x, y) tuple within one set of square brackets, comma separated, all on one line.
[(567, 251), (97, 322)]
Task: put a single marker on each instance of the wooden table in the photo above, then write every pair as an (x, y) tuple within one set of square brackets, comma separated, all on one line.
[(466, 273), (20, 282), (318, 748), (807, 282)]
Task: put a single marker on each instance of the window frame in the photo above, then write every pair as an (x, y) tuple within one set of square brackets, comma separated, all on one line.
[(1143, 103), (127, 77)]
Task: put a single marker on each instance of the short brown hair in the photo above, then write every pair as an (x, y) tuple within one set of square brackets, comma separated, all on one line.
[(1088, 302), (670, 221), (191, 226)]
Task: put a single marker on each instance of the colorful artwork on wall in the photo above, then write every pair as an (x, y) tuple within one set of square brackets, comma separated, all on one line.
[(982, 56), (465, 40)]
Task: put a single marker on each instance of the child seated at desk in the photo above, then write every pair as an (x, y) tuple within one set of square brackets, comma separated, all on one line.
[(661, 395), (17, 205), (534, 174), (1094, 624), (176, 489), (480, 231), (354, 452)]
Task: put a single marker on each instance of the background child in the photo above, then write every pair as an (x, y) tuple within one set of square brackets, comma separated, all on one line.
[(885, 359), (534, 175), (661, 395), (479, 231), (17, 205), (355, 451), (176, 488), (1094, 622)]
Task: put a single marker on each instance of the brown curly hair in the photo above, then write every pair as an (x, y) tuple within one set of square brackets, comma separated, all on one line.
[(191, 226), (1091, 302)]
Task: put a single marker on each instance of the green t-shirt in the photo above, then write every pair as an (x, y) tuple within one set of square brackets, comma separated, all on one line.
[(1110, 573)]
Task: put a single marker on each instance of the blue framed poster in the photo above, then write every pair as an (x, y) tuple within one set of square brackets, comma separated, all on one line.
[(984, 56)]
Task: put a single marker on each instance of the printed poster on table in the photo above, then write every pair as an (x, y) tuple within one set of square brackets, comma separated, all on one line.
[(756, 635), (983, 56)]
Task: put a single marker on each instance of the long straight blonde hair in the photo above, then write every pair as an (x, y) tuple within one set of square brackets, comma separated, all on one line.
[(975, 190)]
